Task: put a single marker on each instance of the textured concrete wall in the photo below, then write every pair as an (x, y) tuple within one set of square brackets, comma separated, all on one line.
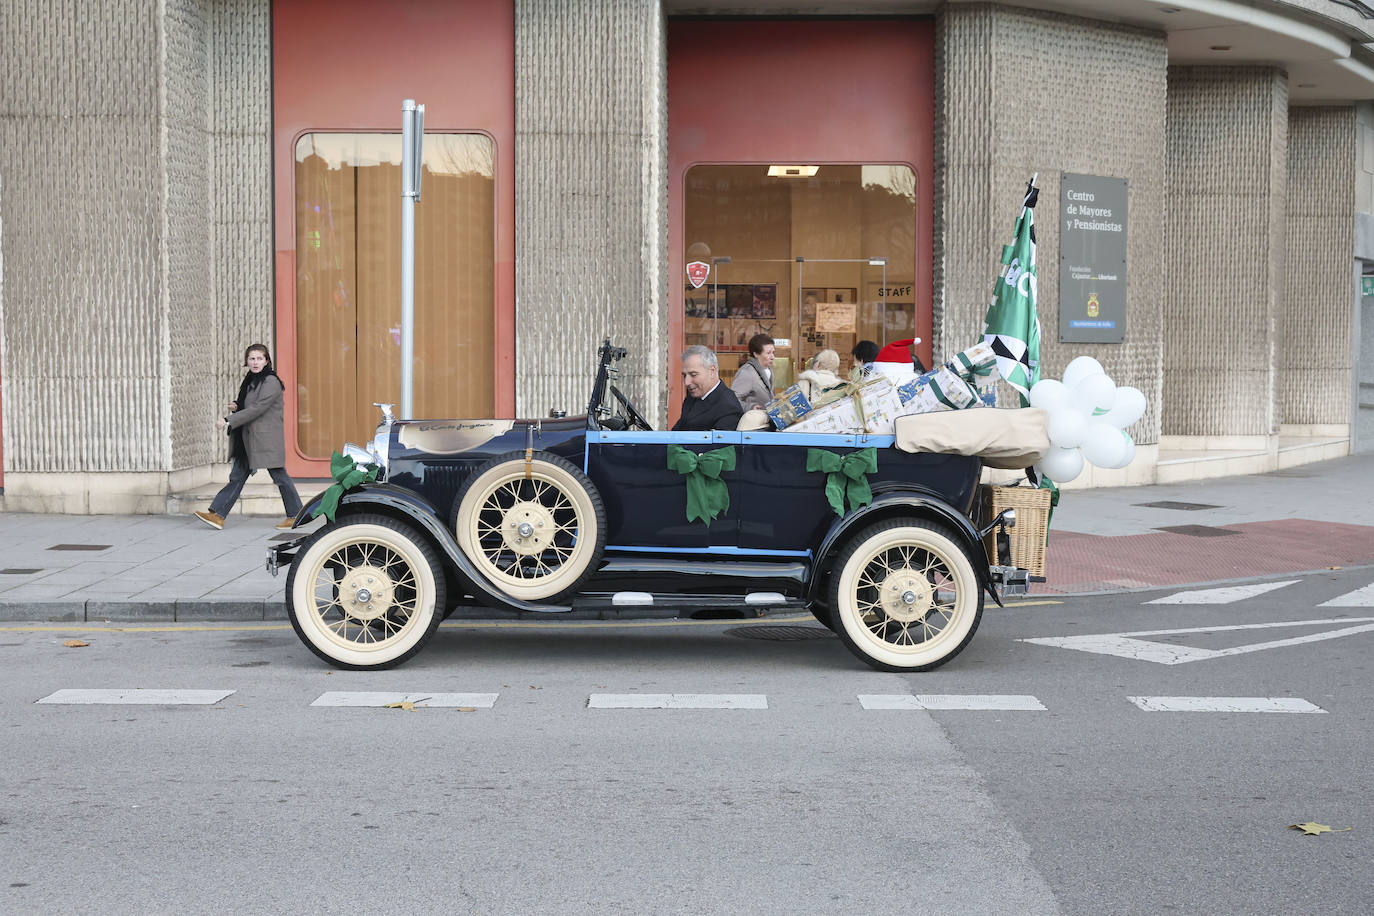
[(239, 169), (590, 199), (1228, 174), (80, 155), (1315, 347), (1019, 92), (136, 236)]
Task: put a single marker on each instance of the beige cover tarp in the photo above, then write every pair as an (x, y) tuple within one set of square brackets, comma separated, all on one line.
[(1015, 438)]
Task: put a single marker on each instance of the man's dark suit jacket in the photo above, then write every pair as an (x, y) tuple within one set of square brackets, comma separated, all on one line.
[(720, 409)]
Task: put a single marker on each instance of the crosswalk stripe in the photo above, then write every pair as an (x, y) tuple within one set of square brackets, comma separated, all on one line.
[(1224, 595), (136, 697), (677, 701), (1225, 704), (1363, 597), (1009, 702), (420, 700)]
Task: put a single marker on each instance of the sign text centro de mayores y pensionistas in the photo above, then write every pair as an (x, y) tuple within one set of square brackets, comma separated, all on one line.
[(1092, 259)]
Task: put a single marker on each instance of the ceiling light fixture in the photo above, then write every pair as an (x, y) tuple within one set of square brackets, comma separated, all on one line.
[(792, 171)]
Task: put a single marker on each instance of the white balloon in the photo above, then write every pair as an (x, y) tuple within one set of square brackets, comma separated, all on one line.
[(1104, 445), (1047, 392), (1079, 368), (1061, 464), (1094, 395), (1067, 426), (1129, 455), (1129, 406)]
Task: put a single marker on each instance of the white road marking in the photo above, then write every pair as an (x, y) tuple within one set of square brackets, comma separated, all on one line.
[(1008, 702), (1124, 645), (677, 701), (1225, 704), (1363, 597), (1225, 595), (137, 697), (421, 700)]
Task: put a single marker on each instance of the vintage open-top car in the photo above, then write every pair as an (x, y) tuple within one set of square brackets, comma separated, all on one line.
[(593, 512)]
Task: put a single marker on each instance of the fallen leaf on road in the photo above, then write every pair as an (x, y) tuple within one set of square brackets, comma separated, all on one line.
[(403, 704), (1314, 829), (75, 644)]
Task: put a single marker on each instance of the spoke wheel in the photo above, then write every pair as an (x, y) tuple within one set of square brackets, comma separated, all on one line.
[(366, 592), (534, 529), (905, 596)]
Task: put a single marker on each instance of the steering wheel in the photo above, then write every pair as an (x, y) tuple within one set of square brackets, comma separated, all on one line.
[(636, 418)]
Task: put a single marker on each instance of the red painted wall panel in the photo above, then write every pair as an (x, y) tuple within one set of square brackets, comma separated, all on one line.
[(347, 65), (799, 91)]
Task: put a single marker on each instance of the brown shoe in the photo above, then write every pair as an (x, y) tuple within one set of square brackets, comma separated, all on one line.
[(286, 524), (212, 519)]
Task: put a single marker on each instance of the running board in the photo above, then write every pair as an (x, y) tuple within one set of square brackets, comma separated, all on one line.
[(755, 602)]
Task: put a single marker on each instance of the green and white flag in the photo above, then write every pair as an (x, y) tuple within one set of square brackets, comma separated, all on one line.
[(1012, 326)]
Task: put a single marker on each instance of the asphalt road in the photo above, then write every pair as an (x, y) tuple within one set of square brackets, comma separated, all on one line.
[(263, 803)]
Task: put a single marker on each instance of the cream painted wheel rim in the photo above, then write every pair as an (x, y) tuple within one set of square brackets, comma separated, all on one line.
[(363, 594), (533, 537), (908, 597)]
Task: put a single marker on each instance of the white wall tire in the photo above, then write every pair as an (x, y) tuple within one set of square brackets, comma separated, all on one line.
[(367, 592), (905, 595), (534, 530)]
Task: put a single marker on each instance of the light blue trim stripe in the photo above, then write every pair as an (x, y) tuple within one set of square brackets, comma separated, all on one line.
[(664, 436), (718, 551)]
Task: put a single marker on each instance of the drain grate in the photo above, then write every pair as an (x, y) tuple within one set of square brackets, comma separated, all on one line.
[(1170, 504), (781, 633), (1198, 531), (80, 547), (19, 572)]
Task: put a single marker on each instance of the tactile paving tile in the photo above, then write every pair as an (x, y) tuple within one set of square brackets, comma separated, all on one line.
[(1091, 563)]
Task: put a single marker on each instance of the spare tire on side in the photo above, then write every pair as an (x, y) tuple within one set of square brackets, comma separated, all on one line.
[(532, 524)]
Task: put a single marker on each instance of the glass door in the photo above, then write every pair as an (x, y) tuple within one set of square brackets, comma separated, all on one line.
[(818, 257)]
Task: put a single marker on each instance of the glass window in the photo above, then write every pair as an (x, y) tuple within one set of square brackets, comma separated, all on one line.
[(348, 282), (817, 257)]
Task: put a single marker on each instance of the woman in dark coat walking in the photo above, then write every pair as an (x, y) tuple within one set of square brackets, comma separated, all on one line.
[(255, 426)]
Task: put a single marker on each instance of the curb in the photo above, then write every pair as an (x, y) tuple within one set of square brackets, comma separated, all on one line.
[(98, 611)]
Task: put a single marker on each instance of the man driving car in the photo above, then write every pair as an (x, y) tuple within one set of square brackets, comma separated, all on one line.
[(708, 404)]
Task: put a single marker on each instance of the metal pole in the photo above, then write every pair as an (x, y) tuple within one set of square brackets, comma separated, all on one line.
[(410, 152)]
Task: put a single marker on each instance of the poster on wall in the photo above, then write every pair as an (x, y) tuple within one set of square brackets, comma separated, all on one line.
[(835, 317), (1092, 259)]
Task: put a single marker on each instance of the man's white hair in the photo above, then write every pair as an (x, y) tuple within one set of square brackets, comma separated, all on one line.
[(703, 353)]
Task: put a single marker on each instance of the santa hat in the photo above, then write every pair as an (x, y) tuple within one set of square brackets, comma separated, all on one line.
[(894, 360)]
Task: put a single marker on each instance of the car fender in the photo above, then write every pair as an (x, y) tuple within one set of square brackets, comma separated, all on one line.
[(896, 504), (399, 502)]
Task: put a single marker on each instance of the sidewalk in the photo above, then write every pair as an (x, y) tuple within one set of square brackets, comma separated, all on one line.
[(149, 568)]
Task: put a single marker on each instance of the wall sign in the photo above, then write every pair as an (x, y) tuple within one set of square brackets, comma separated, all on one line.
[(1092, 259)]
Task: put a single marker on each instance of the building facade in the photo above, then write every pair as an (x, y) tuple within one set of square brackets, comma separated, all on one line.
[(182, 179)]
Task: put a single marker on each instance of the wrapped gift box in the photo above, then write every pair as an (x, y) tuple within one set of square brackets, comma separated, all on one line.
[(869, 408), (836, 417), (977, 361), (788, 408)]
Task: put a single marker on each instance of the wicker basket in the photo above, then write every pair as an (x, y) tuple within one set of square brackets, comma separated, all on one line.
[(1032, 525)]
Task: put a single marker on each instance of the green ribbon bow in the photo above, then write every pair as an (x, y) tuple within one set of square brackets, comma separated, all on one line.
[(347, 475), (707, 494), (845, 475)]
